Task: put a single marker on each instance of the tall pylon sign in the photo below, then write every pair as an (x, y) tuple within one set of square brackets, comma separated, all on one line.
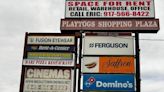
[(109, 43), (48, 63), (96, 51)]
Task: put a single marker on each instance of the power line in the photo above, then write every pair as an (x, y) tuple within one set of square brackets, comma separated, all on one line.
[(129, 37), (139, 39), (152, 39)]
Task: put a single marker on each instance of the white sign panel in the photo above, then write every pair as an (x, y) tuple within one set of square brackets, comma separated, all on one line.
[(90, 64), (110, 9), (51, 40), (105, 45), (44, 62), (48, 80)]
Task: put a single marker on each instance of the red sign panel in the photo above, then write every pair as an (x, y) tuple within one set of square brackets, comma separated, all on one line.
[(111, 25)]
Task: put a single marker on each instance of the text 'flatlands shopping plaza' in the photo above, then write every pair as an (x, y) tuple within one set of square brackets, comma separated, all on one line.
[(96, 51)]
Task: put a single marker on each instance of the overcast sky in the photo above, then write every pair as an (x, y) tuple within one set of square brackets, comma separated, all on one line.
[(20, 16)]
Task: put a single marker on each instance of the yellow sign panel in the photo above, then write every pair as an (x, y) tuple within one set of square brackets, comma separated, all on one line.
[(49, 55)]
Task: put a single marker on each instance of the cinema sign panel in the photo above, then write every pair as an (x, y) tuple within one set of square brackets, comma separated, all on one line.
[(48, 80), (109, 9), (132, 25), (106, 45)]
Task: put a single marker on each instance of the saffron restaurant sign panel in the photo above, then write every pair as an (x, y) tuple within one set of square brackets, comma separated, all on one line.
[(109, 9), (108, 45), (108, 82), (51, 40), (48, 80), (132, 25), (109, 64)]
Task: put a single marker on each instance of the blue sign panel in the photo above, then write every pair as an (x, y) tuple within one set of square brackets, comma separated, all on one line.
[(51, 48), (108, 82)]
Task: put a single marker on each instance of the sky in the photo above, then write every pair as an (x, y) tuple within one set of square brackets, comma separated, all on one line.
[(20, 16)]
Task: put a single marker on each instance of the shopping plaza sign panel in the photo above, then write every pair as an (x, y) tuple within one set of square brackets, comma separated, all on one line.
[(108, 45), (111, 25), (109, 9), (108, 82), (108, 64), (48, 80)]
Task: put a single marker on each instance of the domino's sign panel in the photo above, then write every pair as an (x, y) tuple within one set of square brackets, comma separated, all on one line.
[(108, 82)]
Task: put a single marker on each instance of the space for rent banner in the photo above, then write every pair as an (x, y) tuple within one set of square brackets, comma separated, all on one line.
[(109, 9), (48, 80), (108, 45)]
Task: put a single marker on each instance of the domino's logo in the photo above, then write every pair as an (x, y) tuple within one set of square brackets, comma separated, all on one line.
[(90, 81)]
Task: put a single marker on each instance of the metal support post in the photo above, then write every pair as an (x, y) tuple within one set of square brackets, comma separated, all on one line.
[(138, 79)]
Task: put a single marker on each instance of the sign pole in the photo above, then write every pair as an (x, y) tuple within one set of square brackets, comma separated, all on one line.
[(138, 79), (80, 57)]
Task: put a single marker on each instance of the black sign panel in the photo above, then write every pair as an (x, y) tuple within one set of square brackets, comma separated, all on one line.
[(51, 48)]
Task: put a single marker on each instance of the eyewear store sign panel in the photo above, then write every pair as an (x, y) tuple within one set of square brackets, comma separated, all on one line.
[(48, 80), (108, 82), (105, 45), (51, 40), (110, 9), (108, 65)]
